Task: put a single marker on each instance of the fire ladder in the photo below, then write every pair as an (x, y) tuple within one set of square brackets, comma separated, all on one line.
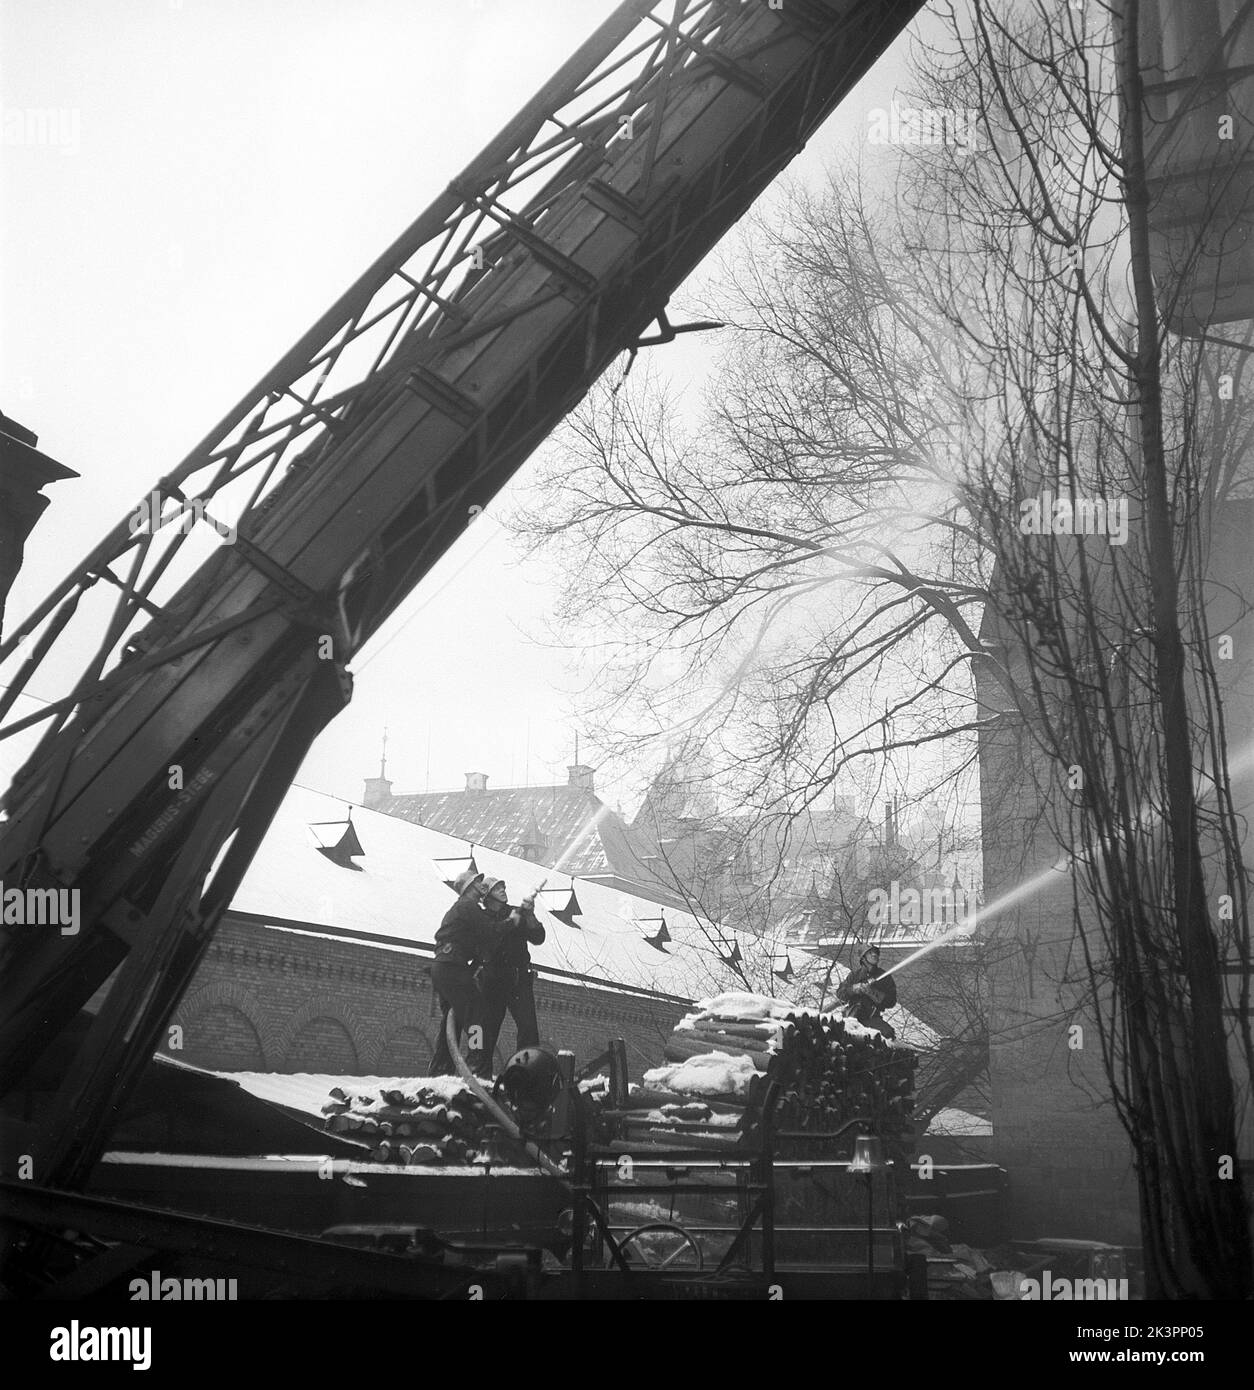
[(355, 464)]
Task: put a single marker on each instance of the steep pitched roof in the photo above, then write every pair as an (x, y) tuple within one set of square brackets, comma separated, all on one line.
[(577, 832), (397, 897)]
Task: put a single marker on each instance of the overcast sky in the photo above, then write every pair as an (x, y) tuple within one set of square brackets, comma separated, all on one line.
[(208, 177)]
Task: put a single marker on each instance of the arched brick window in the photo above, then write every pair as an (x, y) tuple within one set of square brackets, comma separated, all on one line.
[(223, 1039), (322, 1044), (407, 1052)]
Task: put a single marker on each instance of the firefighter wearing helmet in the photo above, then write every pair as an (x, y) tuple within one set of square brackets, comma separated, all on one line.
[(506, 978), (531, 1081), (867, 991), (462, 944)]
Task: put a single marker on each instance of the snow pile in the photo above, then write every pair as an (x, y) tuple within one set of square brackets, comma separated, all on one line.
[(744, 1006), (852, 1027), (709, 1091), (708, 1074), (675, 1115)]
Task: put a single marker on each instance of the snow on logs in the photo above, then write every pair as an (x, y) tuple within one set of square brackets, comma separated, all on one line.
[(719, 1061), (721, 1057), (437, 1120)]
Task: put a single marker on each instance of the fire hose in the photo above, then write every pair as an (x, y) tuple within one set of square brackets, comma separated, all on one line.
[(505, 1121), (907, 960), (533, 1152), (510, 1127)]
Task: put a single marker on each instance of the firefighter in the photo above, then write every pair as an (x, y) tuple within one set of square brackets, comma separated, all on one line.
[(462, 945), (505, 980), (865, 994), (531, 1081)]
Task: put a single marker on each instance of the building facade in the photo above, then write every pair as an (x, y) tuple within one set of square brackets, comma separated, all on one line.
[(323, 962), (566, 827), (277, 999), (1055, 1126)]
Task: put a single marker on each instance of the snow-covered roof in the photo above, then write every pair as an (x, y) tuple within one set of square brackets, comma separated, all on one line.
[(960, 1124), (399, 891), (574, 827)]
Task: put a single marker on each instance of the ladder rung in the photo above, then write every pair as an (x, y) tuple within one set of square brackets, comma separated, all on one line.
[(442, 394)]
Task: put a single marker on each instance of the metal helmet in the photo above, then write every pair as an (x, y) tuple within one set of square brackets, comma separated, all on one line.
[(465, 879), (531, 1078), (497, 908)]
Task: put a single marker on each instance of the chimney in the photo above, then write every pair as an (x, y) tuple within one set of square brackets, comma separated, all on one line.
[(476, 781), (579, 775)]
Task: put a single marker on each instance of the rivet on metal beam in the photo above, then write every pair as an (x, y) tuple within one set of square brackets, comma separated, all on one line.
[(614, 204)]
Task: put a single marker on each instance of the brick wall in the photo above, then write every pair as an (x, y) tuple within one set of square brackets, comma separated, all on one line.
[(271, 1000), (584, 1020)]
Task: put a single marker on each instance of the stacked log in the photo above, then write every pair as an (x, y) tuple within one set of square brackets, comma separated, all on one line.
[(671, 1118), (703, 1033), (704, 1098), (708, 1107), (435, 1120), (832, 1071)]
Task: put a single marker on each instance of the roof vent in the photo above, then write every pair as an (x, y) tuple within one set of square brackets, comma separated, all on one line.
[(343, 848), (476, 781)]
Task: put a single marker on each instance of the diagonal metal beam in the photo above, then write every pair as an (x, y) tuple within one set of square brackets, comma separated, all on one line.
[(304, 1260)]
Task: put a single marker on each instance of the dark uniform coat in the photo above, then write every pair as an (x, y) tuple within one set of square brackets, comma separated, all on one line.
[(866, 1004), (506, 978), (463, 942)]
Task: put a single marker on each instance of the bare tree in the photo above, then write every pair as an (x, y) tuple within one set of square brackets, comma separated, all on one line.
[(1110, 469), (822, 567), (768, 575)]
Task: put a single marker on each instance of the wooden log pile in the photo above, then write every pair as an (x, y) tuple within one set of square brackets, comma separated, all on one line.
[(664, 1119), (736, 1038), (833, 1072), (434, 1120), (722, 1057)]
